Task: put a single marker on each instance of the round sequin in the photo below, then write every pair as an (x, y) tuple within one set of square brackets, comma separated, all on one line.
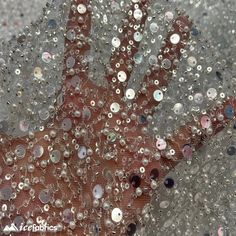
[(24, 125), (158, 95), (52, 24), (130, 94), (68, 216), (38, 151), (229, 112), (82, 152), (205, 122), (178, 108), (55, 156), (138, 58), (81, 8), (70, 62), (19, 221), (135, 180), (161, 144), (138, 36), (154, 27), (122, 76), (187, 151), (169, 183), (86, 113), (116, 215), (46, 57), (116, 42), (192, 61), (166, 64), (138, 14), (111, 137), (98, 191), (115, 107), (131, 229), (154, 173), (6, 193), (45, 196), (38, 73), (152, 60), (169, 16), (43, 114), (174, 38), (198, 98), (20, 151), (66, 124), (211, 93), (231, 150)]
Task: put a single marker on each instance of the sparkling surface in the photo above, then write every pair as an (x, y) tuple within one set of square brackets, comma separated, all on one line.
[(91, 106)]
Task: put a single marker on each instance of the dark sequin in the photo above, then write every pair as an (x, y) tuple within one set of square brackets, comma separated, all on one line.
[(231, 150), (135, 180), (169, 183), (131, 229), (154, 173)]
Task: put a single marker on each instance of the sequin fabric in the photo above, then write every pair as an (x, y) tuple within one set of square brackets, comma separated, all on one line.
[(117, 118)]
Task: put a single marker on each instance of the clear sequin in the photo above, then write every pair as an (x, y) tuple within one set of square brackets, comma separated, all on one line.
[(205, 122), (166, 64), (45, 196), (138, 58), (122, 76), (138, 14), (192, 61), (115, 107), (174, 38), (158, 95), (81, 8), (43, 114), (55, 156), (198, 98), (66, 124), (46, 57), (178, 108), (82, 152), (24, 125), (130, 94), (116, 215), (187, 151), (154, 27), (38, 151), (116, 42), (68, 215), (211, 93), (161, 144), (6, 193), (138, 36), (70, 62), (38, 73), (20, 151), (152, 60), (98, 191), (169, 16)]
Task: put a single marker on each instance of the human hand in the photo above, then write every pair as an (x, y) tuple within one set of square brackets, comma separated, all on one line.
[(94, 166)]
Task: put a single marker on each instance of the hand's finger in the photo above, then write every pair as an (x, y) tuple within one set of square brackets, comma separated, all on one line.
[(78, 91), (181, 146), (151, 92), (77, 44), (193, 135), (122, 59)]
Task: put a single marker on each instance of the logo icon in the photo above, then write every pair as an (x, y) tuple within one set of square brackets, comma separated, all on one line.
[(11, 228)]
